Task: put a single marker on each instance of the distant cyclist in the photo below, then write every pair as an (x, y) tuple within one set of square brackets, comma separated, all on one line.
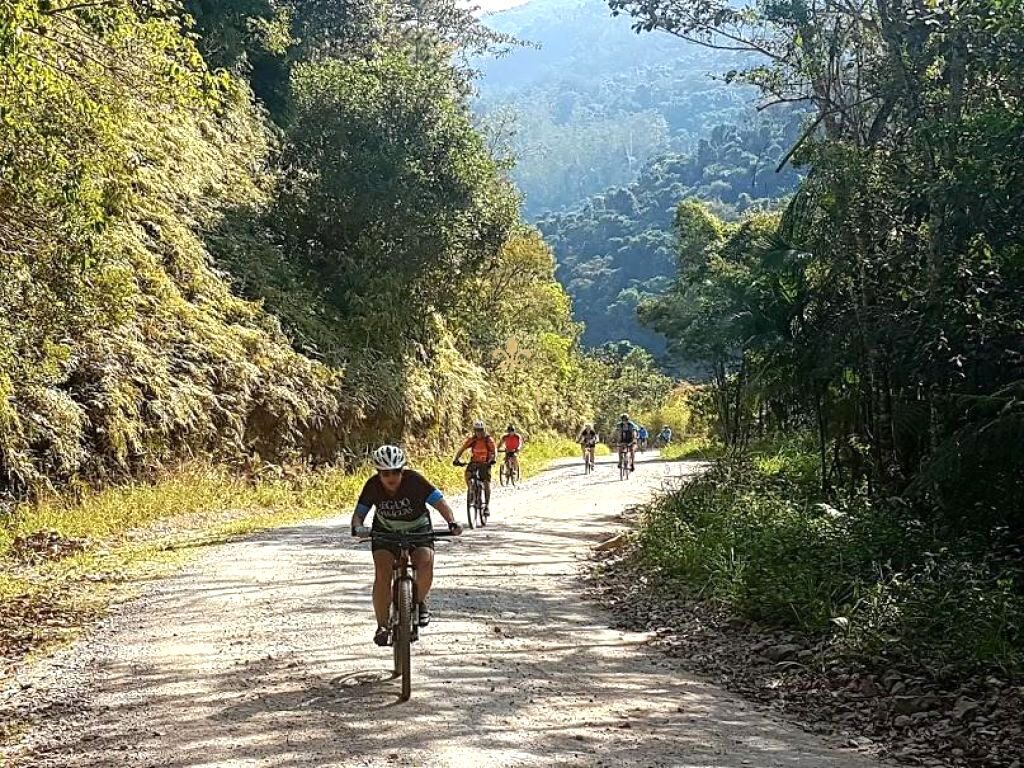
[(399, 497), (588, 438), (641, 436), (512, 442), (626, 435), (665, 436), (482, 453)]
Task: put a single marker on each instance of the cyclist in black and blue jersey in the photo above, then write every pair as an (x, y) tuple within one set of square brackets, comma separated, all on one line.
[(399, 498)]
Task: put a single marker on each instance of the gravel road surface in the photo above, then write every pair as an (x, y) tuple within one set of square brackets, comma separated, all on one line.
[(259, 653)]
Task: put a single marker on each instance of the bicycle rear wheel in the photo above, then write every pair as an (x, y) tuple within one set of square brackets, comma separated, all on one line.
[(403, 638)]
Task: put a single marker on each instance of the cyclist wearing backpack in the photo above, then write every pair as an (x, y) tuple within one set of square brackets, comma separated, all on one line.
[(626, 435)]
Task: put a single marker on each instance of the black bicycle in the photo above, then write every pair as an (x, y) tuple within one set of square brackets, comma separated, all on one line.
[(404, 623), (475, 496)]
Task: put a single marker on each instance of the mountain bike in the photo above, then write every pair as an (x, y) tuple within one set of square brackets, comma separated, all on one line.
[(509, 474), (474, 496), (588, 459), (404, 622), (624, 469)]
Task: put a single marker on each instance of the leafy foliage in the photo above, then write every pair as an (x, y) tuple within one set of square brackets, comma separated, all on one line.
[(121, 349), (884, 307), (367, 221)]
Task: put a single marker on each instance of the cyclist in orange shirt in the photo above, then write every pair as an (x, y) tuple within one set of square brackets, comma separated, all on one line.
[(511, 442), (482, 453)]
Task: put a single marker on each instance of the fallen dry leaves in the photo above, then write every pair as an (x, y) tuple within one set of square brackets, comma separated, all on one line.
[(888, 705)]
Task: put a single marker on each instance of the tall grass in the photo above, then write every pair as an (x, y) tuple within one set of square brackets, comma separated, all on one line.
[(756, 535)]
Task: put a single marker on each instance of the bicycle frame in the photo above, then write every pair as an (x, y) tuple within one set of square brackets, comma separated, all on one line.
[(404, 572), (476, 491)]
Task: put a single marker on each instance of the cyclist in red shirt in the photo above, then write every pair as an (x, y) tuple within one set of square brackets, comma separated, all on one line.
[(482, 453), (512, 442)]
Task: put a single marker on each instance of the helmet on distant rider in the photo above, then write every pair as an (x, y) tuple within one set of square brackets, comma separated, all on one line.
[(511, 429), (625, 417), (478, 425), (389, 457)]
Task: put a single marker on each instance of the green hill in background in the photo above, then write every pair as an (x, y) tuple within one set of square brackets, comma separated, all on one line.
[(588, 102), (610, 131), (619, 248)]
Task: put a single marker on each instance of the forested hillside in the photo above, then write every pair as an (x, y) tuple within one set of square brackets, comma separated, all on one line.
[(619, 248), (162, 166), (586, 103)]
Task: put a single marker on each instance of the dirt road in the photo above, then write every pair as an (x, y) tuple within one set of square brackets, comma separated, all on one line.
[(260, 654)]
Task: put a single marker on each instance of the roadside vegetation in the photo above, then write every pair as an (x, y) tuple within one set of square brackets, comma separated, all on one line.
[(863, 352)]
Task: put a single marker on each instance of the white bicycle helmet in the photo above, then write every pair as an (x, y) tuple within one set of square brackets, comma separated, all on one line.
[(389, 457), (478, 424)]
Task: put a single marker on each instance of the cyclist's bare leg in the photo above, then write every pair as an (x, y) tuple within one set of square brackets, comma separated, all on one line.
[(423, 561), (383, 568)]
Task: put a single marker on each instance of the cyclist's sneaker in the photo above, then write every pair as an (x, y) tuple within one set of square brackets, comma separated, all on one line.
[(382, 636), (632, 467), (424, 614)]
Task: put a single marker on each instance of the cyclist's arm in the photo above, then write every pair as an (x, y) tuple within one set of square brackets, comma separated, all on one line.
[(359, 516), (436, 500), (492, 451), (501, 443), (463, 449)]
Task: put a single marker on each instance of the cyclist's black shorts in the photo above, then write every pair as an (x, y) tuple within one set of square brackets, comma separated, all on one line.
[(485, 470), (393, 547)]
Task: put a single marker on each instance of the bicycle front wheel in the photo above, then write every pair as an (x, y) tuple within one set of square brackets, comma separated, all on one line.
[(403, 638), (479, 506), (470, 501)]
